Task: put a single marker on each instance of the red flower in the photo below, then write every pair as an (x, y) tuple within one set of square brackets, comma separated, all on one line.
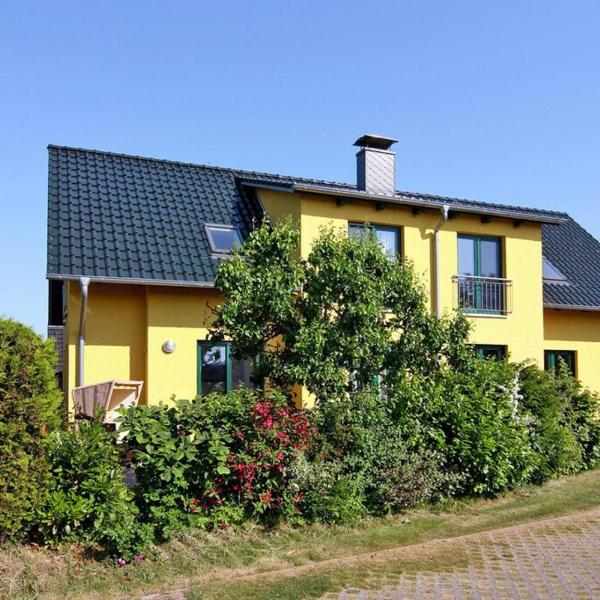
[(262, 408), (265, 498)]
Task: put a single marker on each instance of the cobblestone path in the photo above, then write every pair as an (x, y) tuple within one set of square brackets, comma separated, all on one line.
[(553, 559)]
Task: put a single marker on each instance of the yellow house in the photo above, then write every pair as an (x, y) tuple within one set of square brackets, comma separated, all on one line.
[(134, 243)]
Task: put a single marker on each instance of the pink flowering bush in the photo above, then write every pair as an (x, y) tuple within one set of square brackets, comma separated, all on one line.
[(216, 460), (260, 457)]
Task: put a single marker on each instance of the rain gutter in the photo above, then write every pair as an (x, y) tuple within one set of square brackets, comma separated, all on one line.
[(581, 307), (437, 266), (133, 280)]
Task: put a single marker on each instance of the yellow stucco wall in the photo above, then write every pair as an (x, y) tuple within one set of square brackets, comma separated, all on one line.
[(578, 331), (127, 324), (183, 316), (521, 331), (115, 333), (126, 328)]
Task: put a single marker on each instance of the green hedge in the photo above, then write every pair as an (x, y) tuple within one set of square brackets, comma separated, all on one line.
[(30, 407), (469, 427)]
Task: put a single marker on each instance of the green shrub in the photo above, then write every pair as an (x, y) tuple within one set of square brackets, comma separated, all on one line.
[(27, 365), (87, 501), (469, 418), (196, 460), (401, 479), (325, 493), (361, 433), (23, 467), (564, 422), (30, 406)]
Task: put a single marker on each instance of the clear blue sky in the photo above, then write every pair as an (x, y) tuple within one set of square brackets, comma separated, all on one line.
[(496, 101)]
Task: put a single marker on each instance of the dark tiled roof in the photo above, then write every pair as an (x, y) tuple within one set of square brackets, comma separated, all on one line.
[(576, 254), (115, 216)]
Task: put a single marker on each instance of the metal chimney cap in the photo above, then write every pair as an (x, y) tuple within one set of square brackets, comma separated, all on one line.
[(379, 142)]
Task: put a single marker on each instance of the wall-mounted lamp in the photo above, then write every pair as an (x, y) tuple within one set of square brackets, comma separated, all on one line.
[(168, 347)]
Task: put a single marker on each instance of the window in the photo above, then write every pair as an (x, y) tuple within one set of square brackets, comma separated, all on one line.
[(223, 238), (481, 289), (479, 256), (388, 237), (218, 371), (490, 351), (552, 360), (550, 272)]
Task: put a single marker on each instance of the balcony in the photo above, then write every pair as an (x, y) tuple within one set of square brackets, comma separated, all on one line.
[(482, 295)]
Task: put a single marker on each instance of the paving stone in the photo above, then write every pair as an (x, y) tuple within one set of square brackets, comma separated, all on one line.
[(545, 560)]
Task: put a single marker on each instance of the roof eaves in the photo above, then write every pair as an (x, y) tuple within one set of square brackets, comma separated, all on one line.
[(540, 216), (287, 187), (132, 280), (582, 307)]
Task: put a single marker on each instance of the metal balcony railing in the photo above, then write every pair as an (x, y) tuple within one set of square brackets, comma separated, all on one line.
[(482, 295)]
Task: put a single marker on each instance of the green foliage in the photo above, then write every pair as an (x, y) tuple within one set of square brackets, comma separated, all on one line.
[(333, 322), (325, 492), (471, 419), (27, 371), (362, 433), (30, 406), (564, 422), (196, 460), (87, 501), (406, 413), (349, 315), (23, 467)]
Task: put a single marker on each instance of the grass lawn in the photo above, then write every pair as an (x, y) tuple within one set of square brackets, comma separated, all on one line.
[(287, 563)]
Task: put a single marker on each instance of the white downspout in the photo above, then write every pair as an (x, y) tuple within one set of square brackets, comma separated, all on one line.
[(84, 283), (438, 271)]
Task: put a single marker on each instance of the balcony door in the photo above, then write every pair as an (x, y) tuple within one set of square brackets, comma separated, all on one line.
[(479, 256), (481, 288)]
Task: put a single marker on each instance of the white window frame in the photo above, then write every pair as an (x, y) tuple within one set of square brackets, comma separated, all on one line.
[(222, 227)]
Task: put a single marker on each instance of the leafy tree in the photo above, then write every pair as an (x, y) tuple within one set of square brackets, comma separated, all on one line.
[(333, 322)]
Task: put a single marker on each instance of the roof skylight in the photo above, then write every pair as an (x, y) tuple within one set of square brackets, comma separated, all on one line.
[(550, 272), (223, 238)]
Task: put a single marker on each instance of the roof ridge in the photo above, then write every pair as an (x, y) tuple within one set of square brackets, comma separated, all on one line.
[(167, 161)]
